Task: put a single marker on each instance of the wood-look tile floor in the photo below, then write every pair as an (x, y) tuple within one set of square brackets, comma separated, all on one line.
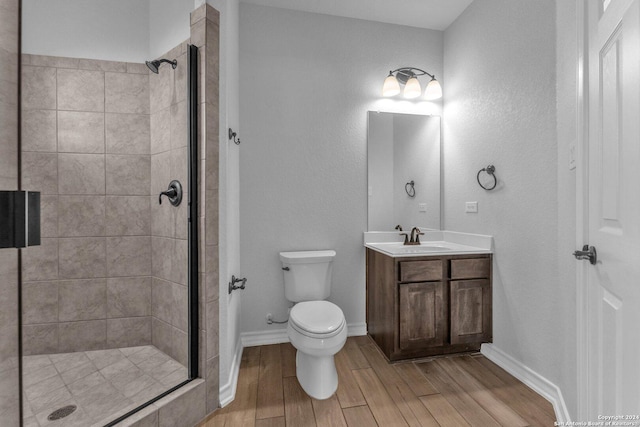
[(461, 390)]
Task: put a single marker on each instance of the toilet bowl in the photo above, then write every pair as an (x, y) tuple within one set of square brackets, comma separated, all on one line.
[(317, 329)]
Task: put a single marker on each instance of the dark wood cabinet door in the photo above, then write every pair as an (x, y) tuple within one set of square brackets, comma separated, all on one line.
[(422, 315), (470, 302)]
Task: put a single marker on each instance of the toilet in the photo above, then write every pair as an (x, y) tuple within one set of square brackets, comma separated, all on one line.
[(317, 328)]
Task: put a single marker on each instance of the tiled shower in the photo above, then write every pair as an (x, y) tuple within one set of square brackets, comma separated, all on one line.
[(105, 297)]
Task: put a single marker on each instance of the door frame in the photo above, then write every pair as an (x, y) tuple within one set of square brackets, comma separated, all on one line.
[(582, 204)]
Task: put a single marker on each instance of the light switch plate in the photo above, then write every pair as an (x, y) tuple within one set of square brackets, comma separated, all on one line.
[(471, 207), (422, 207)]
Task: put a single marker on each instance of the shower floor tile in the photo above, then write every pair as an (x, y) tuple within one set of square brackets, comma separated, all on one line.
[(103, 384)]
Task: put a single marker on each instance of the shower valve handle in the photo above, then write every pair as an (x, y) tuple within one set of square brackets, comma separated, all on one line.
[(173, 193)]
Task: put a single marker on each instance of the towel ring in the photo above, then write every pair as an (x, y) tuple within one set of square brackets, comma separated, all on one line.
[(410, 189), (491, 171)]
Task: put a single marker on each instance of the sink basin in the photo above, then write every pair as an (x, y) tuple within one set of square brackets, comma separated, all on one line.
[(421, 249), (397, 248)]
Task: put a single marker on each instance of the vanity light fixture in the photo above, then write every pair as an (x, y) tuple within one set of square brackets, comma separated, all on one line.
[(408, 76)]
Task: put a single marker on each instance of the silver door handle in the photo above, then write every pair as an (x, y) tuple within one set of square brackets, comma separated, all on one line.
[(587, 253)]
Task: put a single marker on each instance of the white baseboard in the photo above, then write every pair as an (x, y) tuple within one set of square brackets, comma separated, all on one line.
[(277, 336), (537, 382), (228, 390)]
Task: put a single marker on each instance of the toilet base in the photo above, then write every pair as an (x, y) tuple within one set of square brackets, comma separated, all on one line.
[(317, 375)]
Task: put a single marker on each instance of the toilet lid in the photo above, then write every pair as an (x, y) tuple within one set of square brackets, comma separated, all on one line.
[(317, 318)]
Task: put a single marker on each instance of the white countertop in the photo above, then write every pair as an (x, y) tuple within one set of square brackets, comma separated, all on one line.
[(432, 243)]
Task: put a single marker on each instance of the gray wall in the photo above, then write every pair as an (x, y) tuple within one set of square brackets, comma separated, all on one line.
[(500, 108), (308, 81), (9, 78)]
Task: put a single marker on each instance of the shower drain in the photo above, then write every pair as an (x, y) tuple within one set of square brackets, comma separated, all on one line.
[(62, 412)]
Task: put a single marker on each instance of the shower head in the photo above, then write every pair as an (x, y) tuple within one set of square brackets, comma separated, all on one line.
[(154, 65)]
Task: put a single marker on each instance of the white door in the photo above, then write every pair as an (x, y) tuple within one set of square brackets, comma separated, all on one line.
[(612, 285)]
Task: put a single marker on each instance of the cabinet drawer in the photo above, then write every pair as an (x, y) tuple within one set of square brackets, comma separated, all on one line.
[(420, 271), (472, 268)]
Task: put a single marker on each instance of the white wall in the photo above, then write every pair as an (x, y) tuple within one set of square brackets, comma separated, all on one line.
[(115, 30), (566, 85), (500, 108), (229, 193), (169, 24), (308, 81)]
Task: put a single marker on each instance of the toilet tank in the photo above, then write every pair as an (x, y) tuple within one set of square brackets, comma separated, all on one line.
[(307, 275)]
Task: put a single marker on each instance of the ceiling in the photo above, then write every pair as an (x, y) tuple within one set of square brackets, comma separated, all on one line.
[(432, 14)]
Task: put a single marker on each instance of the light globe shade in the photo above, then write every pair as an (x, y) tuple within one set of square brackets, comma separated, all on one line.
[(391, 87), (433, 90), (412, 88)]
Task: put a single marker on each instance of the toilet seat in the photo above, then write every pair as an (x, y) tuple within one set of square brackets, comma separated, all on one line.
[(317, 319)]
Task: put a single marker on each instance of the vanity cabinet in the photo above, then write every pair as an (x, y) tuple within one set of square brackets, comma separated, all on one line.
[(428, 305)]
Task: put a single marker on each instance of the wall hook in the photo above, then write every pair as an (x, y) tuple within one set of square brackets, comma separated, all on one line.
[(234, 280), (232, 136), (491, 171)]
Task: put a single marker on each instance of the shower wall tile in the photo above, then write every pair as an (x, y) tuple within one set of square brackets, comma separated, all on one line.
[(161, 335), (179, 262), (161, 131), (213, 384), (127, 133), (162, 218), (212, 287), (160, 172), (129, 256), (81, 174), (162, 300), (179, 129), (82, 300), (81, 216), (162, 252), (127, 93), (180, 298), (8, 147), (211, 325), (73, 155), (40, 302), (81, 90), (38, 88), (39, 339), (100, 65), (82, 336), (39, 130), (82, 257), (80, 132), (128, 215), (40, 172), (128, 332), (40, 262), (129, 297), (180, 346), (211, 221), (161, 89), (128, 174), (54, 61), (48, 216), (134, 68), (180, 79)]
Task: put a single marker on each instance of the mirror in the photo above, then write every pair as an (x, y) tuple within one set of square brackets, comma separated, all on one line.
[(403, 164)]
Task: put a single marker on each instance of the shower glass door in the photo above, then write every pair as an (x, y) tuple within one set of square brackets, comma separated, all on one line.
[(105, 140)]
